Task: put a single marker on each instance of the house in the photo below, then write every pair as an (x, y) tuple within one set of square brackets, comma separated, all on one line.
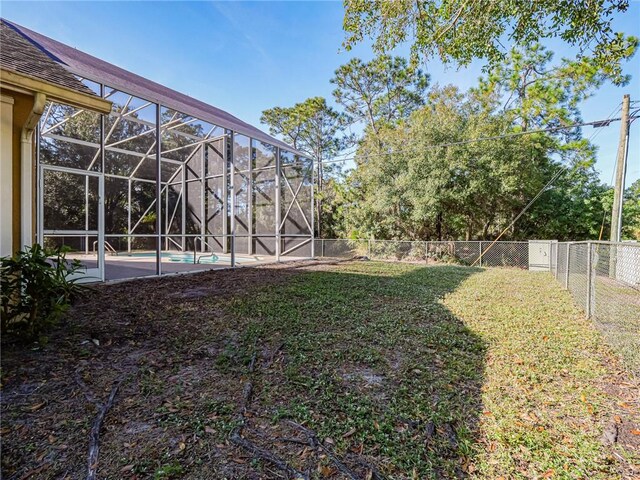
[(134, 178), (29, 78)]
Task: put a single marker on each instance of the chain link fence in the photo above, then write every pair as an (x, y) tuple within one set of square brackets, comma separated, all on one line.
[(602, 277), (500, 254)]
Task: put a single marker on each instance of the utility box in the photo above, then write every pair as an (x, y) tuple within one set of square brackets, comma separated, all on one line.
[(540, 255)]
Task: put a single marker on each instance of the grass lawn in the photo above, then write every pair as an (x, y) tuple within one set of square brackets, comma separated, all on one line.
[(361, 369)]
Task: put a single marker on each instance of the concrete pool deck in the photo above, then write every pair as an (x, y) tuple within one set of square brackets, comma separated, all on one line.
[(124, 266)]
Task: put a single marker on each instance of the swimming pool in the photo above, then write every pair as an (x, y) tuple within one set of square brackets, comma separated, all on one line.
[(201, 258)]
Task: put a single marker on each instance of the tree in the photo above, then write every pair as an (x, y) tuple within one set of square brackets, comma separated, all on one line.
[(379, 92), (631, 212), (460, 31), (418, 188), (538, 92), (316, 129)]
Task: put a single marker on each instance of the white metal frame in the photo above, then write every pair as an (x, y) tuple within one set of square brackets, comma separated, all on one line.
[(225, 206), (90, 274)]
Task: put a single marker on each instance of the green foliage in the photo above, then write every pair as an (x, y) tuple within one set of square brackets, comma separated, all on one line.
[(313, 127), (334, 199), (379, 92), (470, 190), (631, 212), (169, 470), (36, 289), (404, 187), (539, 92), (460, 31)]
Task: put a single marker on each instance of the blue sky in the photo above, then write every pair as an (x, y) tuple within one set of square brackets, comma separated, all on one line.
[(245, 57)]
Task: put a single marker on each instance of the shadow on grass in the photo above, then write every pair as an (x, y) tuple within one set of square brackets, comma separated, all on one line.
[(364, 354), (372, 361)]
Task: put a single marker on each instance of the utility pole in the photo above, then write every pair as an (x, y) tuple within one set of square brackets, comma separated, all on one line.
[(621, 169)]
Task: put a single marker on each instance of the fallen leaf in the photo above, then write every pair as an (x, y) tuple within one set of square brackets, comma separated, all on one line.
[(349, 433), (304, 453), (127, 468), (635, 432), (209, 429), (325, 470), (36, 406)]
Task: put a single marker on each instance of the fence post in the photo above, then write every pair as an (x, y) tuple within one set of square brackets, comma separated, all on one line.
[(322, 247), (566, 267), (555, 260), (369, 248), (480, 256), (426, 251), (589, 280)]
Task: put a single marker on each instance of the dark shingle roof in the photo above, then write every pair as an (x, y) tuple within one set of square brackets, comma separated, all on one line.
[(93, 68), (17, 54)]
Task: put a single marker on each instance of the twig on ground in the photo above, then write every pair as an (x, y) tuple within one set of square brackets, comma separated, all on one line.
[(252, 363), (30, 473), (88, 394), (247, 392), (375, 474), (274, 353), (315, 442), (293, 440), (94, 436), (253, 449), (265, 455)]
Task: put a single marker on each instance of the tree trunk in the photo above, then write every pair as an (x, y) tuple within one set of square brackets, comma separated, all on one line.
[(439, 226), (485, 227)]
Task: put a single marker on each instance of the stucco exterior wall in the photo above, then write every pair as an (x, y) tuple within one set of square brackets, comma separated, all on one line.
[(6, 175)]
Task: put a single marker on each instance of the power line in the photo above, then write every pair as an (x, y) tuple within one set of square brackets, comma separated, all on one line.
[(560, 171), (596, 124), (522, 212)]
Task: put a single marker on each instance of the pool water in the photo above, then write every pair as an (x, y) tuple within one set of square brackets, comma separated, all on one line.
[(201, 258)]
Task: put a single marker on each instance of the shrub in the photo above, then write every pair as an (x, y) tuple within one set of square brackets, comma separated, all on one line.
[(36, 288)]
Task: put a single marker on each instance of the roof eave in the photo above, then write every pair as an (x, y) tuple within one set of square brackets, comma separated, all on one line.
[(20, 82)]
